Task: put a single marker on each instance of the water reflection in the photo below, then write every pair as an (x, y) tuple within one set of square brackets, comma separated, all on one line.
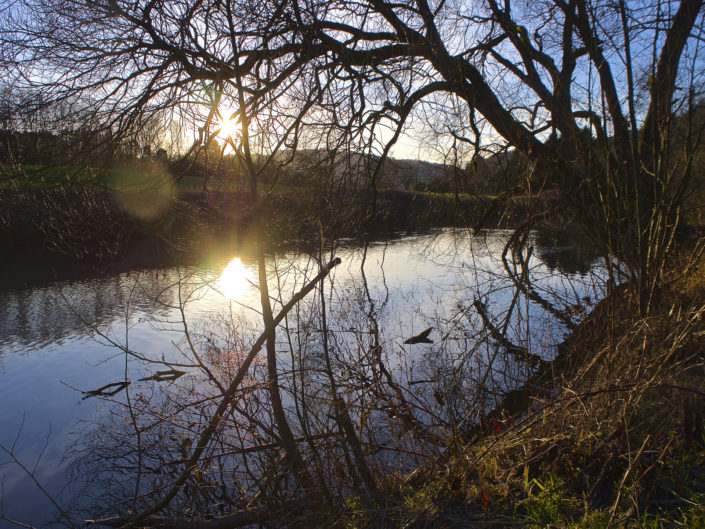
[(565, 252), (380, 295), (236, 280), (50, 314)]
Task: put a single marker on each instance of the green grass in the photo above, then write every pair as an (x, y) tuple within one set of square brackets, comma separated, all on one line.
[(38, 176), (126, 179), (548, 504)]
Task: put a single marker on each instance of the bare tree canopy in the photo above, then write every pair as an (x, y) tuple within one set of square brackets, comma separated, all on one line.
[(580, 87), (527, 68)]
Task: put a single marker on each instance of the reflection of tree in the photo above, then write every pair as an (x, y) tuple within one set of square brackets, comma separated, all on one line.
[(111, 460), (570, 254), (360, 404), (50, 313)]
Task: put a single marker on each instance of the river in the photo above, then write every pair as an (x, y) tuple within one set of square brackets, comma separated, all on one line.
[(64, 337)]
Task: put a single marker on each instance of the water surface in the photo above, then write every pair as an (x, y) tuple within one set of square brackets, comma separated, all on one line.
[(59, 339)]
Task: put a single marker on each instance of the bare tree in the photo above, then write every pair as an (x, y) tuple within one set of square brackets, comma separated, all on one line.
[(544, 77), (585, 89)]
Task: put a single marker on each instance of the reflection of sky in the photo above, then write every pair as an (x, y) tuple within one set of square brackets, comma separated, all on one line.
[(416, 282), (420, 273)]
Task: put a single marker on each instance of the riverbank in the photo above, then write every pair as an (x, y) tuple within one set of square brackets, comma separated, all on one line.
[(100, 226), (609, 435)]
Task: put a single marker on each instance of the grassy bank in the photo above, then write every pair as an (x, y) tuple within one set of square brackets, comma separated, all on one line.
[(609, 435), (101, 223)]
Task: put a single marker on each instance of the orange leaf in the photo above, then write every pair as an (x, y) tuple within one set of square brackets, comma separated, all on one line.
[(485, 496), (497, 426)]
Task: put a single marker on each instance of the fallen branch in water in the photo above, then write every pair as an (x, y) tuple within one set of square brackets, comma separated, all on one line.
[(161, 376), (101, 392)]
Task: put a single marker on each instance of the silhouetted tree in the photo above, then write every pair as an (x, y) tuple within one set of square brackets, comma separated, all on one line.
[(557, 80), (525, 72)]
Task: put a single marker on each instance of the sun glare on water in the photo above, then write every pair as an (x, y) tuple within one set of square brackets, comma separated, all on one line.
[(236, 280)]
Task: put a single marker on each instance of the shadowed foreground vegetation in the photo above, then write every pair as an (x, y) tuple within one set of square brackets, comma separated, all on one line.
[(609, 435)]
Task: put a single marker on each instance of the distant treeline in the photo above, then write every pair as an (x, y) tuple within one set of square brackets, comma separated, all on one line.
[(308, 168), (495, 174), (69, 146)]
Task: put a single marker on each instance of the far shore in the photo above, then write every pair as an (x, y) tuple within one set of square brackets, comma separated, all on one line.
[(99, 226)]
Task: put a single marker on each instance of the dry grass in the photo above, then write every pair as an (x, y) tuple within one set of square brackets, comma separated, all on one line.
[(615, 439)]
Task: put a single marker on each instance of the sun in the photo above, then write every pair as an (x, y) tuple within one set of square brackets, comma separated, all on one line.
[(228, 127), (236, 280)]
